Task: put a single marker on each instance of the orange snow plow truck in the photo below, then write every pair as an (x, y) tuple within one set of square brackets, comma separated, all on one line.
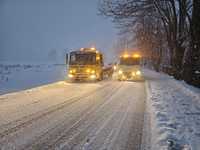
[(86, 64)]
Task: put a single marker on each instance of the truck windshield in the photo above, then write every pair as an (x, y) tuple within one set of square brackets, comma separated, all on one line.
[(82, 59), (130, 61)]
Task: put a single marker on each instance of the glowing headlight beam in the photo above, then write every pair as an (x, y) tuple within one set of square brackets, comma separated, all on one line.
[(138, 72), (114, 67), (133, 73), (72, 70), (92, 71), (70, 76), (93, 76), (120, 71), (88, 70)]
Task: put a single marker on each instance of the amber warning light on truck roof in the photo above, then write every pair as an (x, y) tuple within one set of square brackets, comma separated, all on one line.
[(89, 49), (128, 56), (93, 48), (136, 55)]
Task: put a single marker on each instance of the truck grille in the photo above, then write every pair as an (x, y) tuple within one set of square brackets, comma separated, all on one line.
[(128, 74)]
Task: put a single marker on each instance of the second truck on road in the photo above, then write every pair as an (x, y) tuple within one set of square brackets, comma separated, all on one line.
[(85, 64)]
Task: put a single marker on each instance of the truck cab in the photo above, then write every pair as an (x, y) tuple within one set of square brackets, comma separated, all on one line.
[(85, 64), (128, 68)]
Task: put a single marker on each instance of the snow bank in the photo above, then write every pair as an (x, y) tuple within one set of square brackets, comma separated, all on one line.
[(172, 118), (19, 76)]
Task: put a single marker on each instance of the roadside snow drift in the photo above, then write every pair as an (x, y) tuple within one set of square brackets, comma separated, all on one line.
[(172, 115)]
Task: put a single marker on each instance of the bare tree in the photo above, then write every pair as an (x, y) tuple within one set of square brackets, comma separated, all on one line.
[(162, 29), (174, 14), (192, 62)]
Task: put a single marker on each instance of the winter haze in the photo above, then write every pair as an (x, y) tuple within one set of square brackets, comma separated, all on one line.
[(42, 31)]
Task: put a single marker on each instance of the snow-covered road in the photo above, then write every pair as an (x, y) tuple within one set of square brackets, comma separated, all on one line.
[(103, 115)]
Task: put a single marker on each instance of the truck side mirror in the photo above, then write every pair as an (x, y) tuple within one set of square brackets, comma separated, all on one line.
[(66, 59)]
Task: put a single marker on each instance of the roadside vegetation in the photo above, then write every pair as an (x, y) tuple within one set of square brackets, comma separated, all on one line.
[(167, 32)]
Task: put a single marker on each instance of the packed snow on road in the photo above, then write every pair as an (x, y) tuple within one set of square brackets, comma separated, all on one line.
[(158, 114), (62, 115)]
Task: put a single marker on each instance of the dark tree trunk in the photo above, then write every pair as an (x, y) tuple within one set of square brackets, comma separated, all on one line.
[(192, 65), (178, 62)]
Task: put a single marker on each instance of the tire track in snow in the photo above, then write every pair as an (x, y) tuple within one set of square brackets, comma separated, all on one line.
[(16, 125), (97, 127), (114, 133), (48, 136), (107, 129)]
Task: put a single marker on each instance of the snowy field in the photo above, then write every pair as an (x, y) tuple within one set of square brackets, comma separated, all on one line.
[(15, 77), (172, 118)]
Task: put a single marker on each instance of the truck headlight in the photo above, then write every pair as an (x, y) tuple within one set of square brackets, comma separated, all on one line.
[(93, 76), (92, 71), (138, 72), (120, 72), (72, 71), (114, 67), (70, 75), (88, 70)]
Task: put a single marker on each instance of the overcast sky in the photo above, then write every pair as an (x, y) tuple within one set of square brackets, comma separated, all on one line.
[(30, 29)]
